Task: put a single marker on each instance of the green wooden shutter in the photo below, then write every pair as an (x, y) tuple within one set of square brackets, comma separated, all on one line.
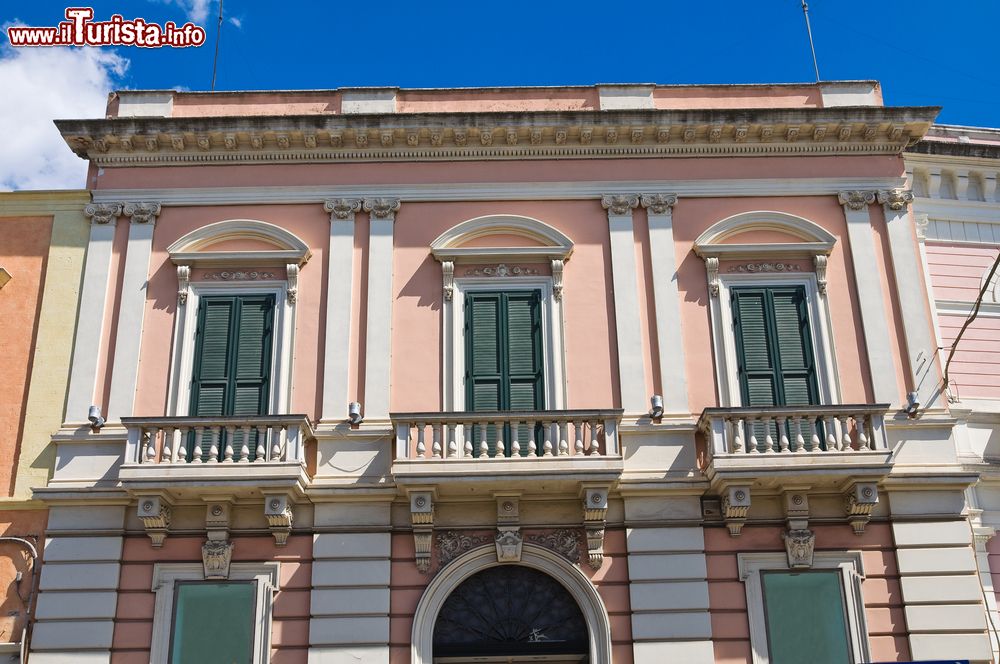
[(213, 622), (232, 362), (805, 618), (503, 357)]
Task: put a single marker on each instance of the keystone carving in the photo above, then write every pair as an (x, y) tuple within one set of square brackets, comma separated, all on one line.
[(508, 538), (735, 506), (103, 213), (799, 546), (856, 200), (215, 558), (620, 204)]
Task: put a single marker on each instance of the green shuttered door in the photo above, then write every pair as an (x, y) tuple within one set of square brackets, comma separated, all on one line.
[(232, 365), (503, 335)]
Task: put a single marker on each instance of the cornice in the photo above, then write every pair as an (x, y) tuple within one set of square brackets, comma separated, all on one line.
[(956, 149), (136, 142)]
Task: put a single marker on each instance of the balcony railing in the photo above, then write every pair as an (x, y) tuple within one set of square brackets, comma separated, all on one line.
[(795, 430), (512, 435), (259, 439)]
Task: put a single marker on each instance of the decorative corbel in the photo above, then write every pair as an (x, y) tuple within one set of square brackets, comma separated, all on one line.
[(820, 261), (557, 278), (292, 275), (508, 538), (154, 513), (712, 265), (799, 540), (278, 512), (859, 503), (217, 513), (422, 518), (102, 213), (895, 199), (595, 512), (620, 204), (448, 279), (183, 283), (141, 213), (735, 506)]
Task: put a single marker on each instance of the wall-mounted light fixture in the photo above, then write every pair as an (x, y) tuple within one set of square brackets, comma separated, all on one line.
[(96, 420), (354, 413), (656, 410), (912, 405)]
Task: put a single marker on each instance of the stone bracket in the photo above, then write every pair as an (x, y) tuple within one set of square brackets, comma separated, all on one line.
[(859, 503), (735, 506), (595, 513), (508, 538), (799, 540), (215, 558), (218, 511), (422, 518), (154, 512), (278, 512)]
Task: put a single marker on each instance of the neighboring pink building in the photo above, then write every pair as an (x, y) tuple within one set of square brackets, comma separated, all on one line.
[(623, 373)]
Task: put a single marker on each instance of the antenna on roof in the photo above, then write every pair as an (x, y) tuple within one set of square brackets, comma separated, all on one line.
[(812, 47), (218, 38)]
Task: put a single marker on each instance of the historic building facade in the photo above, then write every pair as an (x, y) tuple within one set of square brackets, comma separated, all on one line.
[(607, 374), (954, 173)]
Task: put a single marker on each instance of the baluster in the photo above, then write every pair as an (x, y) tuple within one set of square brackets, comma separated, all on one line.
[(738, 427), (421, 446), (800, 443), (547, 439), (452, 446), (245, 445), (753, 436), (484, 444), (862, 422), (768, 438), (213, 447), (199, 434), (279, 436), (563, 439), (228, 450), (261, 451), (578, 436), (515, 444), (831, 434), (501, 451), (782, 435), (180, 444), (814, 438), (595, 439), (467, 440), (847, 445), (532, 445), (436, 445), (149, 445), (166, 454)]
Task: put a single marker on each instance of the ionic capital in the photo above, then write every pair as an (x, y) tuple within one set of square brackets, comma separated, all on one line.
[(620, 204), (658, 203), (856, 200), (103, 213), (142, 212), (895, 199), (342, 208), (382, 208)]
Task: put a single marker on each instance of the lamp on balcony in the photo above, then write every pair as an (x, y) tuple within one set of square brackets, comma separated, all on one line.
[(656, 410), (96, 421), (354, 413)]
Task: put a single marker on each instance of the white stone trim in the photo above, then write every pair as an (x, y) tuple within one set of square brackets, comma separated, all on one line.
[(131, 314), (631, 363), (957, 308), (500, 191), (453, 342), (815, 239), (165, 577), (378, 335), (448, 245), (820, 327), (874, 316), (189, 249), (914, 308), (667, 303), (338, 356), (90, 331), (567, 574), (185, 326), (852, 571)]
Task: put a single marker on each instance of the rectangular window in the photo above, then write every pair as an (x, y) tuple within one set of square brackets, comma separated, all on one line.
[(806, 617), (213, 622), (232, 361), (503, 364)]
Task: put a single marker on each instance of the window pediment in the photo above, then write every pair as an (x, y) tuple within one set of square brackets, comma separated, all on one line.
[(501, 238), (764, 233), (239, 242)]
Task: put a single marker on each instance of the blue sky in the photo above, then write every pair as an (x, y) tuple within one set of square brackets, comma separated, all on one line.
[(924, 52)]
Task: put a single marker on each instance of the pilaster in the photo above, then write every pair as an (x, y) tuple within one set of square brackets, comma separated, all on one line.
[(631, 367), (378, 335), (339, 304)]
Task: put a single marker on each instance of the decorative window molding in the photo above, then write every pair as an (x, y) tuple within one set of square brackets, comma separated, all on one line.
[(814, 240), (552, 244), (195, 247), (848, 563), (264, 575)]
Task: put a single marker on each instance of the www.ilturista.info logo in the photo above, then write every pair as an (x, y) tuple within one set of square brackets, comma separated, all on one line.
[(79, 29)]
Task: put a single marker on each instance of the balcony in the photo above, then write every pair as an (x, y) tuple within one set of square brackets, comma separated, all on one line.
[(817, 444), (189, 456), (556, 449)]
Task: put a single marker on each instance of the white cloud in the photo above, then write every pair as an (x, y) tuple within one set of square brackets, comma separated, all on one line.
[(196, 10), (42, 84), (236, 21)]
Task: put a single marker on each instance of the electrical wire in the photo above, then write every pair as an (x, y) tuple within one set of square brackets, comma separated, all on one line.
[(970, 318), (218, 38)]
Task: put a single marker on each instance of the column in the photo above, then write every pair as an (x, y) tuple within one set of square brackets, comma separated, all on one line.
[(667, 301), (873, 307), (917, 324), (668, 584), (943, 599), (378, 335), (339, 294), (349, 603), (93, 297), (131, 310), (78, 592), (631, 368), (982, 536)]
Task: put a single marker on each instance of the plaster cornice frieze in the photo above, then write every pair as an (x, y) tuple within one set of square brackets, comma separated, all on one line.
[(538, 135)]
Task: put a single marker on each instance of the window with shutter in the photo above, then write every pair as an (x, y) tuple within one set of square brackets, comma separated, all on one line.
[(232, 362), (503, 367), (213, 622), (806, 617)]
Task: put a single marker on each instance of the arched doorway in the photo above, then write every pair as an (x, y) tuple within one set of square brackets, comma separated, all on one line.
[(510, 614), (553, 568)]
